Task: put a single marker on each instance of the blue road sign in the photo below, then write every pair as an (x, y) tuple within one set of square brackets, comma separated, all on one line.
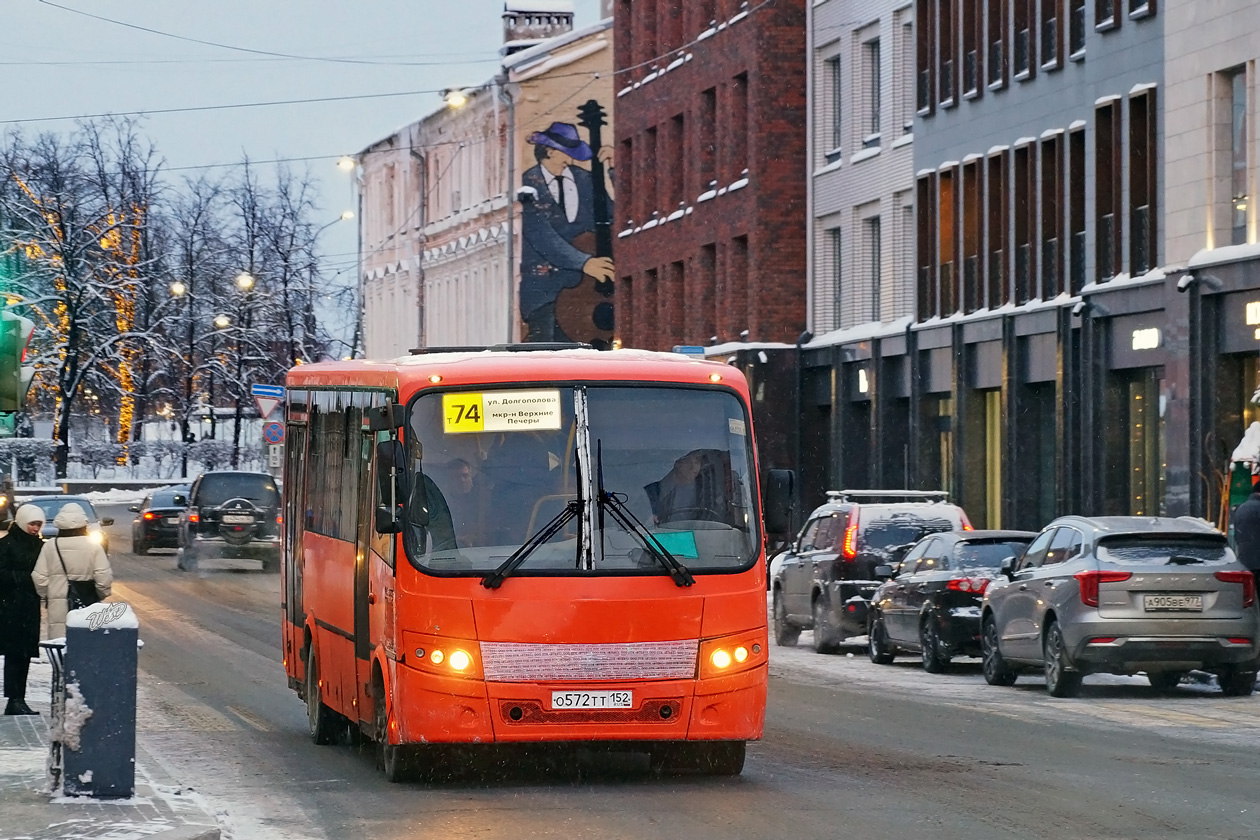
[(689, 349), (276, 391), (273, 433)]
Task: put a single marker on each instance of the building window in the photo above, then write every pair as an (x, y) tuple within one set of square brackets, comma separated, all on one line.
[(902, 297), (827, 303), (947, 239), (1025, 214), (625, 195), (677, 168), (925, 219), (925, 54), (904, 107), (1143, 245), (997, 40), (973, 37), (947, 48), (707, 131), (646, 30), (872, 262), (1076, 28), (1051, 33), (1051, 217), (1106, 14), (830, 102), (1239, 138), (739, 126), (1024, 45), (648, 180), (1141, 8), (972, 210), (1107, 171), (871, 91), (998, 236), (1076, 210)]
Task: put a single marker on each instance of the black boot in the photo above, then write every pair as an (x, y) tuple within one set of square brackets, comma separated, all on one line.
[(18, 707)]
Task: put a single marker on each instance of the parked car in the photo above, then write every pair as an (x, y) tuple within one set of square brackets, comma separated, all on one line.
[(158, 519), (930, 604), (231, 514), (826, 577), (1122, 595), (52, 504)]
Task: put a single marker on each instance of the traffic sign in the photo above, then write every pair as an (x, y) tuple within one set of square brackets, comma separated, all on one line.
[(689, 349), (275, 455), (276, 391), (273, 433), (266, 405)]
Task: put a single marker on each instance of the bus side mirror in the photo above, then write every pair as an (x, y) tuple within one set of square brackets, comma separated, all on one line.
[(386, 522), (385, 418), (779, 500)]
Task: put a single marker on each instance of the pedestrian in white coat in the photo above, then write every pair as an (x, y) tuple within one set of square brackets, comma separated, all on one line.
[(82, 558)]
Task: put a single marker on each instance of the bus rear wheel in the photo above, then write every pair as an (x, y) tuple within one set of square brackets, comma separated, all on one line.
[(321, 720)]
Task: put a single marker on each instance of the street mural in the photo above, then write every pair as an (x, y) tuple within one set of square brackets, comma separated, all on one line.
[(566, 231)]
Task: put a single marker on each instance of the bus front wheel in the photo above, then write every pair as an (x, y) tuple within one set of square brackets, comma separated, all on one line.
[(393, 759), (713, 758)]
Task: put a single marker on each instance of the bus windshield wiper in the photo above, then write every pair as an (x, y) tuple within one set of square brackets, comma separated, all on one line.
[(627, 520), (546, 532)]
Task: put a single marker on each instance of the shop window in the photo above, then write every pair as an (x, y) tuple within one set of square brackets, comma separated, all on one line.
[(1076, 28), (925, 222), (972, 209), (1025, 47), (947, 49), (1025, 210), (997, 40), (1051, 218), (1142, 182), (1051, 29), (1146, 446), (925, 55), (947, 243), (1076, 210), (996, 231), (1107, 171), (1106, 14), (973, 37)]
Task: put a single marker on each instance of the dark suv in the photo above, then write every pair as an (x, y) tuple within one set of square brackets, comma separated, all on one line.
[(824, 580), (231, 514)]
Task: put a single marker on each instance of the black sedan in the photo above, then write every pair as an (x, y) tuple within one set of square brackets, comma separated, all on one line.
[(157, 522), (932, 604)]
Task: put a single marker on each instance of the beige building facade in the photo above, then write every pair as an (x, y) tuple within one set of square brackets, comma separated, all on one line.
[(444, 226)]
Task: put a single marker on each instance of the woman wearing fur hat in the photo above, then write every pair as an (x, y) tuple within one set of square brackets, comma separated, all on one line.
[(19, 604), (71, 555)]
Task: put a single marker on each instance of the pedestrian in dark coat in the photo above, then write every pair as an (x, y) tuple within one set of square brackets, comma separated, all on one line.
[(1246, 521), (19, 604)]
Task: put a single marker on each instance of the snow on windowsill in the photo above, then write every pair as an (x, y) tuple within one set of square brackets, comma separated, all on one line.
[(831, 167), (708, 33), (677, 214), (1155, 275), (903, 140), (865, 154), (707, 195), (1224, 254), (738, 185)]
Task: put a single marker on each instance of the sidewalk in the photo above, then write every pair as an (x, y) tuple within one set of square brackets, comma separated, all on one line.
[(160, 809)]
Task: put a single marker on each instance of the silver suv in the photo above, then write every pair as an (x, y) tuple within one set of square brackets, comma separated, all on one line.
[(1120, 595)]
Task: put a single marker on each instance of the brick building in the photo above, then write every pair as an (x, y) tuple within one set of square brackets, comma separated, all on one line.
[(711, 217)]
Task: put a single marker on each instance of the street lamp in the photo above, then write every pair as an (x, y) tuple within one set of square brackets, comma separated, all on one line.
[(178, 289), (245, 281), (346, 163), (222, 321)]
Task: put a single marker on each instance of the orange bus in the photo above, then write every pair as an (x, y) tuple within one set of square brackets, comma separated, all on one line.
[(516, 545)]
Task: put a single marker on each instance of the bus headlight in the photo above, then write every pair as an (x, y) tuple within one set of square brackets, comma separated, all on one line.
[(443, 656), (460, 660), (732, 654)]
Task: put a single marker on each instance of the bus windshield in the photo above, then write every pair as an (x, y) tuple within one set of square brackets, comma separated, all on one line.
[(490, 470)]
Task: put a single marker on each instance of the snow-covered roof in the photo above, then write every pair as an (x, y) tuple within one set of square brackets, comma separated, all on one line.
[(545, 7), (541, 49)]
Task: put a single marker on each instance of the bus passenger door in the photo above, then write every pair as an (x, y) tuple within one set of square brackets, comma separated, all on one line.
[(364, 595), (294, 508)]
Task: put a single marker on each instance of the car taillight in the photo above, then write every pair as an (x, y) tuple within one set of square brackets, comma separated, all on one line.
[(279, 519), (148, 514), (975, 585), (193, 515), (1089, 584), (849, 549), (966, 523), (1248, 581)]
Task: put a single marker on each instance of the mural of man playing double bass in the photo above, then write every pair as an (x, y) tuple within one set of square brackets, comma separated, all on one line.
[(566, 252)]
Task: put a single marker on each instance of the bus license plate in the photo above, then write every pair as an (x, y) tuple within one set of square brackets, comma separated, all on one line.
[(234, 519), (592, 699), (1172, 603)]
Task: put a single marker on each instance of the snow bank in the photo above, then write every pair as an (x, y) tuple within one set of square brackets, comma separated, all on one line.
[(106, 615)]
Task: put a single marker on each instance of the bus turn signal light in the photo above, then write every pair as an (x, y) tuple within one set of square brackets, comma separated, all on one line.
[(732, 654)]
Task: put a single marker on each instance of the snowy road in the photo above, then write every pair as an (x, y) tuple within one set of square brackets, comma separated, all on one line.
[(851, 749)]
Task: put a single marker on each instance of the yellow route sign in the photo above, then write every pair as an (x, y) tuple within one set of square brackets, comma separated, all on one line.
[(501, 411)]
